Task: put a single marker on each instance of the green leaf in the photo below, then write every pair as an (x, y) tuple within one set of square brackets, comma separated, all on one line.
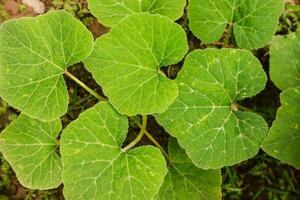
[(110, 12), (283, 139), (254, 21), (285, 60), (186, 181), (33, 56), (126, 63), (30, 147), (202, 118), (94, 165)]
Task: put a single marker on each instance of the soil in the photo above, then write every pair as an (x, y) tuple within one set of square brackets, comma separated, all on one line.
[(293, 2), (14, 9)]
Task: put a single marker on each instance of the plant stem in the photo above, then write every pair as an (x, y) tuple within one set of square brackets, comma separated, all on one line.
[(244, 108), (139, 137), (141, 126), (153, 140), (157, 144), (237, 107), (92, 92), (228, 35)]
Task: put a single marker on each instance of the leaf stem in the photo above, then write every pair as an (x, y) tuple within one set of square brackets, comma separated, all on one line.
[(140, 135), (157, 144), (141, 126), (244, 108), (92, 92), (153, 140), (237, 107), (228, 35)]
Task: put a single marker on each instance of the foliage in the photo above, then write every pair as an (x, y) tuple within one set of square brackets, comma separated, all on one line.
[(30, 146), (254, 22), (285, 52), (186, 181), (110, 172), (33, 81), (130, 57), (110, 12), (204, 118), (202, 108), (283, 140), (261, 177)]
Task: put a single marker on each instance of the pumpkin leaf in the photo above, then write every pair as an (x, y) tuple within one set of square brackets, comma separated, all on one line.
[(285, 60), (186, 181), (203, 118), (126, 63), (254, 21), (283, 139), (95, 166), (33, 57), (110, 12), (30, 147)]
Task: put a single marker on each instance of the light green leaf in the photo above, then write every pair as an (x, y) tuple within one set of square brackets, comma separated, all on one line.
[(126, 63), (285, 60), (30, 147), (186, 181), (33, 56), (254, 21), (110, 12), (202, 118), (283, 139), (94, 165)]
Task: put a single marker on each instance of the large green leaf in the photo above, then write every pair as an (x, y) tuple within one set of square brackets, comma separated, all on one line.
[(33, 56), (285, 60), (110, 12), (126, 63), (94, 165), (186, 181), (31, 149), (204, 118), (283, 140), (254, 21)]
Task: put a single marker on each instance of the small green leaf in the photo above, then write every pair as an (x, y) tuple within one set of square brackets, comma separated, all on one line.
[(30, 147), (202, 119), (126, 63), (254, 21), (285, 60), (283, 139), (33, 56), (186, 181), (94, 165), (110, 12)]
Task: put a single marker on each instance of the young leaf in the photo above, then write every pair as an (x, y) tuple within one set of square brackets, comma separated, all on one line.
[(186, 181), (110, 12), (94, 165), (30, 147), (254, 21), (126, 63), (283, 139), (204, 117), (33, 56), (285, 60)]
